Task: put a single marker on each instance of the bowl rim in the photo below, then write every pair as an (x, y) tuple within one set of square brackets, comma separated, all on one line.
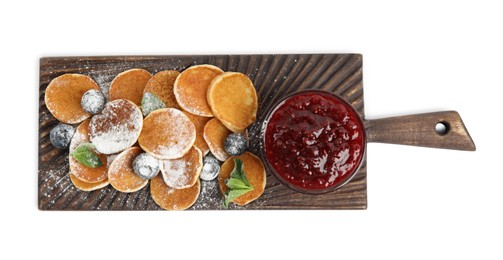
[(271, 169)]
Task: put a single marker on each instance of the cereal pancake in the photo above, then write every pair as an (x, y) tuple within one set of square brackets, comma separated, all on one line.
[(121, 174), (161, 84), (86, 186), (82, 172), (233, 100), (255, 173), (117, 127), (173, 199), (167, 134), (199, 122), (63, 96), (214, 135), (129, 85), (183, 172)]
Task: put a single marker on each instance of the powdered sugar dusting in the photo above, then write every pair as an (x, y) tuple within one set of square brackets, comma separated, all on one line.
[(117, 127), (111, 158), (104, 83), (174, 173), (179, 130), (121, 175), (184, 172), (173, 150), (93, 101), (80, 136), (115, 140), (210, 196)]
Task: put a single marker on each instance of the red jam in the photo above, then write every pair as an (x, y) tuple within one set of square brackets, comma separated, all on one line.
[(314, 140)]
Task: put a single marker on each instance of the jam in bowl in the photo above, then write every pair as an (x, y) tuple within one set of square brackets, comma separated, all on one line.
[(313, 141)]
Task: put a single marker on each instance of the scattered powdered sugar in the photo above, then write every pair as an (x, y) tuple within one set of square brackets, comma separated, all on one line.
[(235, 144), (210, 196), (117, 127), (253, 133), (104, 83)]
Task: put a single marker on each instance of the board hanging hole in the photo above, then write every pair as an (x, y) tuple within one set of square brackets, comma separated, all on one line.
[(442, 128)]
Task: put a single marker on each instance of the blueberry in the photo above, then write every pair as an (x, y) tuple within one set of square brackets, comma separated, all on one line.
[(146, 166), (235, 144), (61, 135), (93, 101), (211, 167)]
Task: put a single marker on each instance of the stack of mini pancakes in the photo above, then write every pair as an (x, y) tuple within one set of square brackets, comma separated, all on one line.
[(202, 106)]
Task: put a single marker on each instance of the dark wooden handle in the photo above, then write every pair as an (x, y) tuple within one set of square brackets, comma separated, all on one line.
[(438, 130)]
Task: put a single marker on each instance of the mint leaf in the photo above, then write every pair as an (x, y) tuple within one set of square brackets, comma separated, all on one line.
[(151, 102), (84, 154), (238, 172), (232, 194), (238, 184)]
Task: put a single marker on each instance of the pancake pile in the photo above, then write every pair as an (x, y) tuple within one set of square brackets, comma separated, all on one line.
[(175, 117)]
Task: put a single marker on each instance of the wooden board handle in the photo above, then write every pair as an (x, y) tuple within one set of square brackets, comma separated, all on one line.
[(438, 130)]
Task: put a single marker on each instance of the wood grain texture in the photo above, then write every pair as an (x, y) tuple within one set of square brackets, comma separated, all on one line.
[(419, 130), (274, 76)]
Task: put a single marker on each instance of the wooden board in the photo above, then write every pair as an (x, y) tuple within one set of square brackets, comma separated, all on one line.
[(274, 76)]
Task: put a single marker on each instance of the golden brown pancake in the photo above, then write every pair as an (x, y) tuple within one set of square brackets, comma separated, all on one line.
[(199, 122), (255, 173), (161, 84), (63, 96), (121, 174), (172, 199), (117, 127), (183, 172), (129, 85), (86, 186), (233, 100), (214, 135), (191, 88), (167, 134), (82, 172)]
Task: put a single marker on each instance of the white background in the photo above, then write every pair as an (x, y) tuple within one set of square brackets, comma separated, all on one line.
[(423, 203)]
